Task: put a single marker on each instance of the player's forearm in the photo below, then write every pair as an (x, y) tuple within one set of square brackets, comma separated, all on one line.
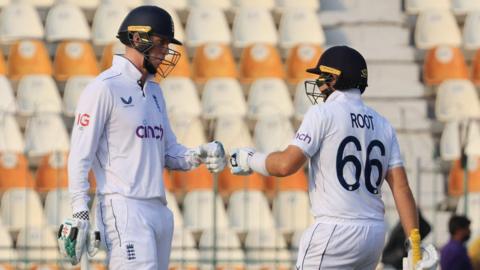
[(406, 208), (277, 164)]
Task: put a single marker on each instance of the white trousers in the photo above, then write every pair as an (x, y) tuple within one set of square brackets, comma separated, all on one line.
[(339, 244), (137, 233)]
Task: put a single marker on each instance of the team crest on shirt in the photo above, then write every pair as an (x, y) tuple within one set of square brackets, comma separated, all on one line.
[(127, 101), (130, 252)]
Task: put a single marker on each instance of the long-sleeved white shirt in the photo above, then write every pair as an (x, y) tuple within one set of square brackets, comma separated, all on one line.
[(122, 132)]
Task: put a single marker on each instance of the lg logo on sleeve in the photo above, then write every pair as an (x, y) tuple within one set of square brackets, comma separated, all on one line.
[(83, 119)]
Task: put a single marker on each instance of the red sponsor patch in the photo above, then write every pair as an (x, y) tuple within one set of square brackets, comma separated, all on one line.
[(83, 119)]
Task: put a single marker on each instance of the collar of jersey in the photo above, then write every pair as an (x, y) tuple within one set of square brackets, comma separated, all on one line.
[(127, 68), (349, 94)]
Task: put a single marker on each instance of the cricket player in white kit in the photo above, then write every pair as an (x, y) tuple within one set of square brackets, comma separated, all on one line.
[(123, 133), (350, 149)]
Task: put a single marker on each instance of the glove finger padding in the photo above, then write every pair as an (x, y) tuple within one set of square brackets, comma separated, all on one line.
[(72, 237), (215, 164), (193, 157), (93, 243)]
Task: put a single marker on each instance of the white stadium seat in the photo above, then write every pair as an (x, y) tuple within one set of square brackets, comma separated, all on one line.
[(300, 18), (394, 80), (7, 99), (266, 4), (37, 244), (416, 6), (291, 210), (189, 130), (198, 211), (181, 97), (38, 94), (173, 4), (266, 249), (338, 12), (221, 4), (461, 7), (287, 4), (73, 89), (471, 37), (233, 133), (44, 134), (437, 27), (57, 207), (301, 102), (21, 207), (132, 3), (456, 100), (183, 255), (211, 18), (105, 23), (20, 20), (172, 204), (266, 126), (249, 210), (11, 139), (450, 148), (65, 21), (7, 252), (85, 4), (269, 97), (41, 4), (253, 25), (223, 97), (229, 254)]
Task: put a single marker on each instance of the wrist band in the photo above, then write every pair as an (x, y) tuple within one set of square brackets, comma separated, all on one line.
[(258, 163)]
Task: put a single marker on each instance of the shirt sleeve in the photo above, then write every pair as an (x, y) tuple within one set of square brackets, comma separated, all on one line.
[(311, 132), (174, 152), (92, 114), (395, 159)]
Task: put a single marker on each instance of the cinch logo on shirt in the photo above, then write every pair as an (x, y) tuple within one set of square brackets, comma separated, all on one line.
[(147, 131), (83, 119), (303, 137)]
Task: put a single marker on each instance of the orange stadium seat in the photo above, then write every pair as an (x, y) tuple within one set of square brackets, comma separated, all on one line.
[(186, 181), (14, 171), (6, 267), (3, 66), (74, 58), (108, 52), (213, 60), (456, 178), (300, 58), (442, 63), (476, 68), (28, 57), (52, 172), (182, 68), (46, 267), (229, 183), (167, 180), (98, 266), (296, 181), (259, 61)]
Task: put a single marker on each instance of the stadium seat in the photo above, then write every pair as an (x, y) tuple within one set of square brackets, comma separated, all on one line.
[(443, 63), (173, 206), (223, 97), (52, 172), (21, 207), (300, 18), (248, 210), (106, 21), (8, 255), (301, 103), (187, 181), (476, 69), (299, 59), (406, 114), (264, 4), (181, 97), (14, 172), (167, 180), (11, 139), (182, 68), (57, 207), (437, 27), (7, 99), (3, 65), (66, 21), (295, 243), (44, 134), (189, 131), (266, 126), (198, 211), (266, 249), (41, 4), (229, 183), (253, 25), (37, 94), (450, 148), (233, 133), (269, 97), (176, 5), (108, 51), (289, 4), (211, 18), (416, 6), (456, 100), (74, 58), (291, 210), (20, 20), (228, 254), (394, 80), (184, 255), (73, 89), (213, 60), (471, 39), (260, 61), (221, 4), (462, 7), (37, 245), (85, 4), (295, 182), (28, 57), (456, 179), (135, 3)]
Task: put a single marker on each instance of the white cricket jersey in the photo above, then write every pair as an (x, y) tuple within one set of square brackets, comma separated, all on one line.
[(350, 147), (122, 132)]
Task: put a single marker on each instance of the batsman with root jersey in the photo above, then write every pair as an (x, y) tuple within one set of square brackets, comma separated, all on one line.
[(122, 132), (351, 149)]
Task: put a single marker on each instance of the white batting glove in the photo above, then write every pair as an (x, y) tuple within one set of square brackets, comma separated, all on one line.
[(239, 161), (213, 155), (193, 157), (429, 259), (74, 238)]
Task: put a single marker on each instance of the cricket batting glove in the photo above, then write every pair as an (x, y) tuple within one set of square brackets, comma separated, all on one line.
[(213, 155), (193, 157), (420, 257), (239, 161), (74, 237)]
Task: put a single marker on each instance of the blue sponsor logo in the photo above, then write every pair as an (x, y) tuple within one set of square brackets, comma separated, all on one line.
[(127, 102)]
